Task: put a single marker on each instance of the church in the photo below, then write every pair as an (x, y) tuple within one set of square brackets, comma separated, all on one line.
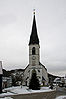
[(34, 59)]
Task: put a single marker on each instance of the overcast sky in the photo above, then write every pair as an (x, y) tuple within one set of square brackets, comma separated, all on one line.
[(16, 18)]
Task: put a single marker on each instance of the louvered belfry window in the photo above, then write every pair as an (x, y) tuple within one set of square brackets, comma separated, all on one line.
[(33, 51)]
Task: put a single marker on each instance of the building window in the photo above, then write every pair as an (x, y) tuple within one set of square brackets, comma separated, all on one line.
[(33, 51), (39, 71)]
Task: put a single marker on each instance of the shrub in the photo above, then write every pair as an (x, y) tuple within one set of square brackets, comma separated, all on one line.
[(34, 82)]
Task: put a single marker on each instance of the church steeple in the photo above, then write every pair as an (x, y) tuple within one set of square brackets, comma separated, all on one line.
[(34, 37)]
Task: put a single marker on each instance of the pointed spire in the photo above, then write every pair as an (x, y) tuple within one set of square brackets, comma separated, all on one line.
[(34, 37)]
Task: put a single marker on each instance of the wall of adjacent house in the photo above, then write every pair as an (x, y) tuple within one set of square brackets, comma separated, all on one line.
[(1, 73), (0, 83)]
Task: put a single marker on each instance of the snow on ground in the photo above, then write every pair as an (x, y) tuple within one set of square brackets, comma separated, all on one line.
[(6, 94), (6, 98), (23, 90), (26, 90), (61, 97)]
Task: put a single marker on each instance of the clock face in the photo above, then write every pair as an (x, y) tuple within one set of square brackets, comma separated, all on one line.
[(33, 57)]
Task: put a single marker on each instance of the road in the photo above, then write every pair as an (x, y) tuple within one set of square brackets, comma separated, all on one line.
[(60, 91)]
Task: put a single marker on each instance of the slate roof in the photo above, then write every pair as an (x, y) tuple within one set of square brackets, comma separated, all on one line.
[(39, 64), (34, 37)]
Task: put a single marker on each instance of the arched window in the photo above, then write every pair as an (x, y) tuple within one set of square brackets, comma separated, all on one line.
[(33, 51)]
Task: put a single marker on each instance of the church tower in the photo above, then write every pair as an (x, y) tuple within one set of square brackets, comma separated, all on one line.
[(34, 52), (34, 56)]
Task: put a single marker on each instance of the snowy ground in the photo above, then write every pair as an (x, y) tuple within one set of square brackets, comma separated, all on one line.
[(23, 90), (61, 97)]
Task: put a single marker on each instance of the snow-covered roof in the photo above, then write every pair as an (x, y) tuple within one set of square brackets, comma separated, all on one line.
[(57, 80), (1, 71), (39, 64)]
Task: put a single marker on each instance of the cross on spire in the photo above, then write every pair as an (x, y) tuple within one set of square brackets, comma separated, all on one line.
[(34, 11)]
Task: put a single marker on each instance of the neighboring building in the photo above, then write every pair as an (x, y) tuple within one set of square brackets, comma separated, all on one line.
[(60, 81), (57, 80), (34, 59), (63, 79), (1, 74), (17, 77), (6, 82)]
